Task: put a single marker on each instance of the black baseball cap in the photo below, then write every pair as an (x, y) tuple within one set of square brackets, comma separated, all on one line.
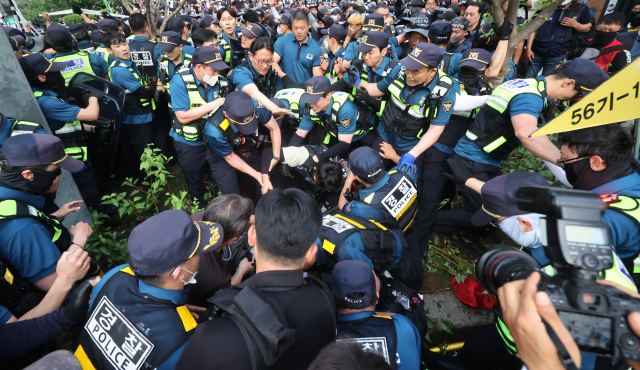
[(107, 25), (77, 27), (252, 31), (36, 150), (423, 55), (373, 22), (169, 40), (447, 15), (372, 39), (354, 276), (286, 19), (327, 21), (440, 31), (587, 74), (241, 112), (337, 32), (210, 56), (59, 35), (499, 196), (475, 58), (315, 87), (168, 240), (37, 64), (365, 162)]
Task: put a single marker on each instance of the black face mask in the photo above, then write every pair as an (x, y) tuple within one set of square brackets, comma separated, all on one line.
[(42, 180), (602, 38), (53, 82), (635, 20), (471, 80), (582, 177)]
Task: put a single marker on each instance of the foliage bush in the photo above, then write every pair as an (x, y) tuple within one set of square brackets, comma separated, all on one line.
[(70, 19)]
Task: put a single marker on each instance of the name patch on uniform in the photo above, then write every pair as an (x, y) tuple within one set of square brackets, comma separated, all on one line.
[(118, 339), (336, 224), (515, 84), (142, 58), (310, 56), (399, 197), (377, 345), (76, 64)]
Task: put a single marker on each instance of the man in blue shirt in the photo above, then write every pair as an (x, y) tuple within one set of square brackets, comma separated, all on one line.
[(549, 44), (297, 56), (336, 115), (164, 257), (420, 105), (335, 37), (506, 121), (137, 118), (393, 337), (30, 241), (233, 134), (81, 35), (196, 91)]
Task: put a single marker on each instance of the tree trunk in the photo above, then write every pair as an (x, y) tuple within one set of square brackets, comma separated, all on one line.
[(152, 15)]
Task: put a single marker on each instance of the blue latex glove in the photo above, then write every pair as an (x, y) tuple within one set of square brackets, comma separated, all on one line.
[(405, 164), (352, 77)]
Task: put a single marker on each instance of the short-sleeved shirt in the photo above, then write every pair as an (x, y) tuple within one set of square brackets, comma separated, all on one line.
[(402, 143), (347, 117), (454, 64), (99, 66), (521, 104), (552, 38), (180, 101), (297, 60), (57, 113), (236, 45), (173, 68), (124, 78), (5, 130), (25, 243), (243, 76), (340, 53), (350, 53), (219, 144), (409, 343)]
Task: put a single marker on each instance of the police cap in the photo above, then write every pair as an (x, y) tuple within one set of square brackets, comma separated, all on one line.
[(373, 22), (252, 31), (475, 58), (587, 74), (365, 162), (37, 64), (423, 55), (372, 39), (440, 32), (314, 88), (59, 35), (107, 25), (77, 27), (241, 112), (351, 277), (210, 56), (37, 150), (169, 40), (168, 240)]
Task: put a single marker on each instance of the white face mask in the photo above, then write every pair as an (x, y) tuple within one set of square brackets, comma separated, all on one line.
[(566, 2), (193, 276), (511, 227), (209, 80), (279, 31)]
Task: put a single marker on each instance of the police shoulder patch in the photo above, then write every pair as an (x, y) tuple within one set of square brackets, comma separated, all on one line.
[(446, 106), (259, 104), (345, 122)]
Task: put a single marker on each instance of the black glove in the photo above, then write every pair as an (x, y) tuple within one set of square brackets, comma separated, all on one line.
[(103, 132), (306, 110), (157, 95), (504, 31), (76, 309), (459, 173), (95, 94), (287, 82), (362, 96), (76, 9), (310, 163)]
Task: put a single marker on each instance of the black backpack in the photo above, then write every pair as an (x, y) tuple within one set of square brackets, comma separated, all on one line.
[(400, 299)]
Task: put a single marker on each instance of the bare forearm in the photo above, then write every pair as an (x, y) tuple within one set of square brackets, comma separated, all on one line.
[(542, 147), (239, 164), (583, 27), (86, 19), (497, 59), (51, 301), (475, 185), (372, 89), (197, 113), (276, 139)]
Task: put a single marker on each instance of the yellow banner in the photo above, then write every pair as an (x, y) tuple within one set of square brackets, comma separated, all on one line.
[(616, 100)]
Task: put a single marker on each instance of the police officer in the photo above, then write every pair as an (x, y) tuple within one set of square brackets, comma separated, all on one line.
[(164, 256), (173, 54), (232, 134), (31, 241), (374, 66), (83, 38), (305, 305), (407, 41), (393, 337), (106, 26), (229, 39), (372, 23), (142, 48), (196, 90), (65, 120), (137, 118), (506, 121), (420, 105), (336, 115), (11, 127), (62, 41), (332, 59)]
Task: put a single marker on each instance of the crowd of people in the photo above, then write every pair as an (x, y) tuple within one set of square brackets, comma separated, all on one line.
[(335, 135)]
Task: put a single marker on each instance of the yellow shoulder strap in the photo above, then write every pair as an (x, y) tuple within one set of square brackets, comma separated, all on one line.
[(128, 270), (384, 317), (187, 319)]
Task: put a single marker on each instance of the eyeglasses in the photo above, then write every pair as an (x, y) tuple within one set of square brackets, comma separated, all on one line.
[(562, 162), (262, 63)]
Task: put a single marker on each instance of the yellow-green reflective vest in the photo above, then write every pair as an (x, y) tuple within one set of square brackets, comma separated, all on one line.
[(12, 209), (331, 73), (130, 38), (630, 207), (22, 127), (224, 45), (192, 131), (364, 77), (78, 62), (163, 67), (103, 53), (331, 126), (492, 130), (134, 104), (292, 96), (72, 136), (413, 120)]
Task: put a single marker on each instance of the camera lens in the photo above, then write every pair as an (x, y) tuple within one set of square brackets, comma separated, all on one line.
[(502, 264), (590, 261)]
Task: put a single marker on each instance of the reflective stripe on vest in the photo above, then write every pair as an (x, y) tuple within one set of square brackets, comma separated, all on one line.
[(505, 334), (163, 66), (292, 96), (338, 100), (397, 199), (630, 207), (70, 133), (13, 209), (103, 53), (75, 63), (144, 102), (23, 127), (226, 47)]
